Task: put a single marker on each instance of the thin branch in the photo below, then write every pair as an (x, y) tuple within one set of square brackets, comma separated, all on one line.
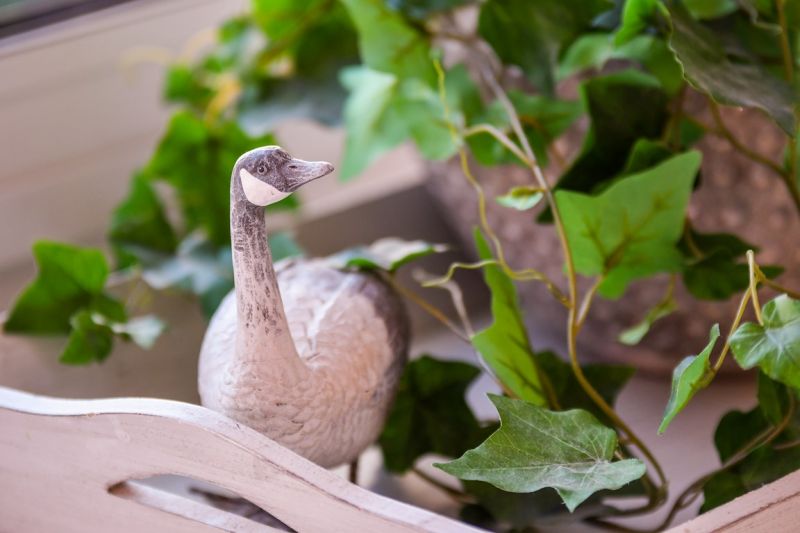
[(735, 324), (501, 137), (790, 177), (429, 308), (780, 288), (456, 297), (455, 494), (693, 490), (753, 288), (657, 494), (587, 301), (723, 131)]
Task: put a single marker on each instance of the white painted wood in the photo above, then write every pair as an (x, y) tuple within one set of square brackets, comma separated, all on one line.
[(774, 508), (60, 457)]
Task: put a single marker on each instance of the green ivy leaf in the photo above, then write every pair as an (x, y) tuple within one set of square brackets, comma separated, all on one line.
[(713, 268), (772, 399), (201, 268), (196, 159), (764, 465), (645, 154), (139, 222), (715, 277), (634, 335), (629, 231), (710, 9), (637, 15), (369, 133), (774, 346), (733, 82), (421, 109), (721, 488), (281, 18), (388, 43), (387, 254), (504, 345), (197, 267), (616, 126), (319, 98), (382, 111), (607, 380), (419, 10), (183, 84), (543, 121), (89, 341), (691, 375), (525, 511), (283, 245), (92, 337), (314, 39), (535, 448), (143, 330), (430, 414), (531, 35), (594, 50), (69, 279), (521, 198)]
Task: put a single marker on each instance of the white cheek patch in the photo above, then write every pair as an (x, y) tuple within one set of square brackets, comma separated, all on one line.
[(258, 192)]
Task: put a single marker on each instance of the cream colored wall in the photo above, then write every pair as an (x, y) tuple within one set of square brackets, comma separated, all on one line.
[(75, 122)]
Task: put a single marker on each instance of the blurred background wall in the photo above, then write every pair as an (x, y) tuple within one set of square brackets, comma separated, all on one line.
[(81, 109)]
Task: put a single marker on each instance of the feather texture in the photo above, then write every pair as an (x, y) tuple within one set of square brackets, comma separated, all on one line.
[(351, 332)]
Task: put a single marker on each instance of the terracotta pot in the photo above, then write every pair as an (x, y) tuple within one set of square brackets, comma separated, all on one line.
[(736, 196)]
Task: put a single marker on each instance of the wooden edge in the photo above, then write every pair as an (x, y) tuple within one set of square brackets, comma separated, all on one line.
[(139, 437), (774, 508), (184, 507)]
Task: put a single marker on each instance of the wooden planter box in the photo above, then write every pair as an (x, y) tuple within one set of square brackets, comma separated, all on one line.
[(67, 465)]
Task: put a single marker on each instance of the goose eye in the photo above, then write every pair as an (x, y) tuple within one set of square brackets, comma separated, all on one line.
[(261, 169)]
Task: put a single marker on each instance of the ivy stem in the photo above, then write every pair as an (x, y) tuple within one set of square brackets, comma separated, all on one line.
[(673, 124), (501, 137), (692, 491), (439, 315), (784, 38), (429, 308), (587, 301), (455, 494), (456, 297), (780, 288), (690, 242), (722, 130), (787, 175), (790, 176), (753, 288), (528, 274), (735, 324), (572, 320)]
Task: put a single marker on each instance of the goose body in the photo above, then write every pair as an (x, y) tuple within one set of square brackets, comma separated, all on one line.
[(305, 353)]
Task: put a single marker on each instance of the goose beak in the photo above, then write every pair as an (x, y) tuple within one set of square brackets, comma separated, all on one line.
[(302, 172)]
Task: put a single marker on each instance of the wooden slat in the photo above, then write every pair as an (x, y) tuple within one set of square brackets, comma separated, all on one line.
[(774, 508), (58, 459)]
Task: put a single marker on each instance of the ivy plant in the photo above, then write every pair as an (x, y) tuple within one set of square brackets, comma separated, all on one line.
[(483, 82)]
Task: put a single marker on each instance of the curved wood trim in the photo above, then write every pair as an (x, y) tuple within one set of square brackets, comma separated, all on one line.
[(773, 508), (60, 457)]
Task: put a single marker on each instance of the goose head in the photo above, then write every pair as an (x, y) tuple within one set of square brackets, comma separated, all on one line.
[(269, 174)]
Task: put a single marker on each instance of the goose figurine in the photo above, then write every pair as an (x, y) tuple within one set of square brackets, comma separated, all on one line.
[(304, 353)]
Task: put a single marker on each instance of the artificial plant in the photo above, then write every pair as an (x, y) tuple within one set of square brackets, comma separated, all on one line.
[(384, 70)]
